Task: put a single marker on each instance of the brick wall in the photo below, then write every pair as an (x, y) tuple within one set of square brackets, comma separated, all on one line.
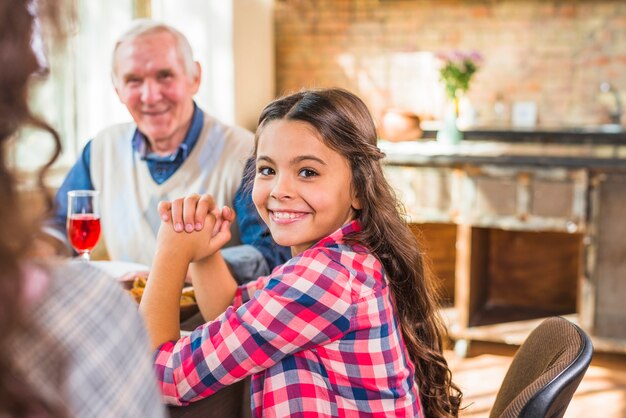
[(554, 53)]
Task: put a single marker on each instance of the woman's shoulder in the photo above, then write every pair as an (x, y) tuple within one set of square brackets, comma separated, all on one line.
[(86, 286), (81, 298), (87, 318)]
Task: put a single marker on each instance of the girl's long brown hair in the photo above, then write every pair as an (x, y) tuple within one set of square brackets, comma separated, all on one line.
[(18, 66), (346, 126)]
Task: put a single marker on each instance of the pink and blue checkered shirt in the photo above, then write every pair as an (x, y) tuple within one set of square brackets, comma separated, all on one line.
[(319, 337)]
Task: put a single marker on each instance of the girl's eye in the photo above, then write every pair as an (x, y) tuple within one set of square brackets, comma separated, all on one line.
[(265, 171), (307, 172)]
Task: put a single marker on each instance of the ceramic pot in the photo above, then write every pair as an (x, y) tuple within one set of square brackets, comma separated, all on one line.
[(399, 125)]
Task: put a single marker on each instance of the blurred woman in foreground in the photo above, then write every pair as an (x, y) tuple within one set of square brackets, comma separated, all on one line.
[(71, 342)]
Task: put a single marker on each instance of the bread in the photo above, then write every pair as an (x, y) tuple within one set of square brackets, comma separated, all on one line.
[(187, 297)]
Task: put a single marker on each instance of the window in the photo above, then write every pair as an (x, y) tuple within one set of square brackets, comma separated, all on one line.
[(232, 40)]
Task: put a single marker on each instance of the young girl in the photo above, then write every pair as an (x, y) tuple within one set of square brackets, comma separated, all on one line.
[(349, 325)]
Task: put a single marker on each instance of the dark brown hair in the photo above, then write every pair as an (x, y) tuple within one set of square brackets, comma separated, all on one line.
[(345, 125), (18, 67)]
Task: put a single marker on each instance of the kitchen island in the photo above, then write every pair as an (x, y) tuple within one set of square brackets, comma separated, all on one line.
[(518, 231)]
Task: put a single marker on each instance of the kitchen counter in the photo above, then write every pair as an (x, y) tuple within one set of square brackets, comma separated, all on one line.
[(429, 152), (520, 230), (592, 134)]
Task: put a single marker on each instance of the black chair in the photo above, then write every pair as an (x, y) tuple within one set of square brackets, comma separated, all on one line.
[(545, 372)]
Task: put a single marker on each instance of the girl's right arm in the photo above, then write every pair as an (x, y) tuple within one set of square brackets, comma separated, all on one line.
[(213, 283)]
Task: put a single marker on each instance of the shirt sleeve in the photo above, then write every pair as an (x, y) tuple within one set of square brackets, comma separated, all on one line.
[(306, 305), (246, 292), (253, 230), (78, 178)]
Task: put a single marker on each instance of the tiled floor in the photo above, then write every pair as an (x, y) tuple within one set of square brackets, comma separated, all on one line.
[(602, 393)]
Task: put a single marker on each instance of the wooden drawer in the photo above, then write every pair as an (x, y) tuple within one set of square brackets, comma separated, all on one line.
[(524, 198)]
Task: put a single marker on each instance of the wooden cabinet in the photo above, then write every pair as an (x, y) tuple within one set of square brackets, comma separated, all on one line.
[(603, 307), (514, 244)]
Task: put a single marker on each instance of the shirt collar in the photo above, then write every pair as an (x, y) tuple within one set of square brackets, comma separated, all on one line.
[(338, 236), (140, 143)]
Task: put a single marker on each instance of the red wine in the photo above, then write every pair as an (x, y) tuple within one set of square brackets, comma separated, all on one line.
[(83, 231)]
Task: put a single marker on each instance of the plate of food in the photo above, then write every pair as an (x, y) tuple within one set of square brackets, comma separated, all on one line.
[(119, 269), (136, 283)]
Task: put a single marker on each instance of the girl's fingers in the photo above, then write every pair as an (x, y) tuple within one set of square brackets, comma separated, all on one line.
[(210, 219), (206, 204), (189, 211), (164, 209), (222, 236), (177, 214), (228, 214)]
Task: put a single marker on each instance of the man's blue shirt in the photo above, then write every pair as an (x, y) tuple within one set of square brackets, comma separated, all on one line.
[(252, 230)]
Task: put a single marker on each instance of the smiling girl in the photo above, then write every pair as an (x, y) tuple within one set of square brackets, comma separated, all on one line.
[(348, 326)]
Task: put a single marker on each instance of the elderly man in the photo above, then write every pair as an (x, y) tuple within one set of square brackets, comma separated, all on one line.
[(172, 148)]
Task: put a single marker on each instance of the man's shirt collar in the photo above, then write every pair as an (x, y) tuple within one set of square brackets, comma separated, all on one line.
[(140, 142)]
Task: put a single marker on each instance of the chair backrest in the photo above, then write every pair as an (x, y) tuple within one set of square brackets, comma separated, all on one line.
[(545, 372)]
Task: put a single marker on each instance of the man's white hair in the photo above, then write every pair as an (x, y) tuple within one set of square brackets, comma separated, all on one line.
[(143, 27)]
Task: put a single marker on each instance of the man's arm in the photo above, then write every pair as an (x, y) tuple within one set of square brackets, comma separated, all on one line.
[(78, 178)]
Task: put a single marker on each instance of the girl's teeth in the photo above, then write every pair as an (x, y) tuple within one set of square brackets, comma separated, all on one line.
[(284, 215)]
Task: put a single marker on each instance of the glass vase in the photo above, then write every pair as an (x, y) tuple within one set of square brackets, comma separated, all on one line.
[(449, 133)]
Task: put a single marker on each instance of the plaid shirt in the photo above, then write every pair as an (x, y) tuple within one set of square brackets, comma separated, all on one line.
[(319, 335), (86, 349)]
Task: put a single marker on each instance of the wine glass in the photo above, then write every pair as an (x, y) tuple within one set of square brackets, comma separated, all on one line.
[(83, 221)]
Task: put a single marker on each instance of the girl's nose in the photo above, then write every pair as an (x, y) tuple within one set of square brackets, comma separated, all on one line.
[(283, 188)]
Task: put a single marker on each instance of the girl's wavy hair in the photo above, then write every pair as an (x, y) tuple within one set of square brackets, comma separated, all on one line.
[(345, 125), (19, 66)]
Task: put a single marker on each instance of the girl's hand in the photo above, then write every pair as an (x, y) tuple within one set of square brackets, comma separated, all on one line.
[(188, 213), (207, 227)]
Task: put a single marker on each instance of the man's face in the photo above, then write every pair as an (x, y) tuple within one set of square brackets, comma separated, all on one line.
[(150, 79)]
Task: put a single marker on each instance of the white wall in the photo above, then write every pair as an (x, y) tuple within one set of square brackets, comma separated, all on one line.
[(97, 105), (253, 47), (234, 42), (77, 98), (232, 39)]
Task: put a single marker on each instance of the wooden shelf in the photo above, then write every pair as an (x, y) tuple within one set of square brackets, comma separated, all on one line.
[(490, 315), (513, 332)]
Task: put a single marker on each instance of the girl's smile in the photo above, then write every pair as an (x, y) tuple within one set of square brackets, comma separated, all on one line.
[(285, 217)]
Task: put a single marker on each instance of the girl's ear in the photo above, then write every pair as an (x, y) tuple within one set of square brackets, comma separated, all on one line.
[(356, 203)]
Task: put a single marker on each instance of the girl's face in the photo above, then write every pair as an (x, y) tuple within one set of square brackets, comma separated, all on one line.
[(302, 189)]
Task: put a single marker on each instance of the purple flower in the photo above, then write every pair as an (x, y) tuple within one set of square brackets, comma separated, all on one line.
[(457, 70)]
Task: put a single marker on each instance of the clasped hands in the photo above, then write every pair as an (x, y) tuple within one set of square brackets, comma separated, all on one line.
[(206, 227)]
